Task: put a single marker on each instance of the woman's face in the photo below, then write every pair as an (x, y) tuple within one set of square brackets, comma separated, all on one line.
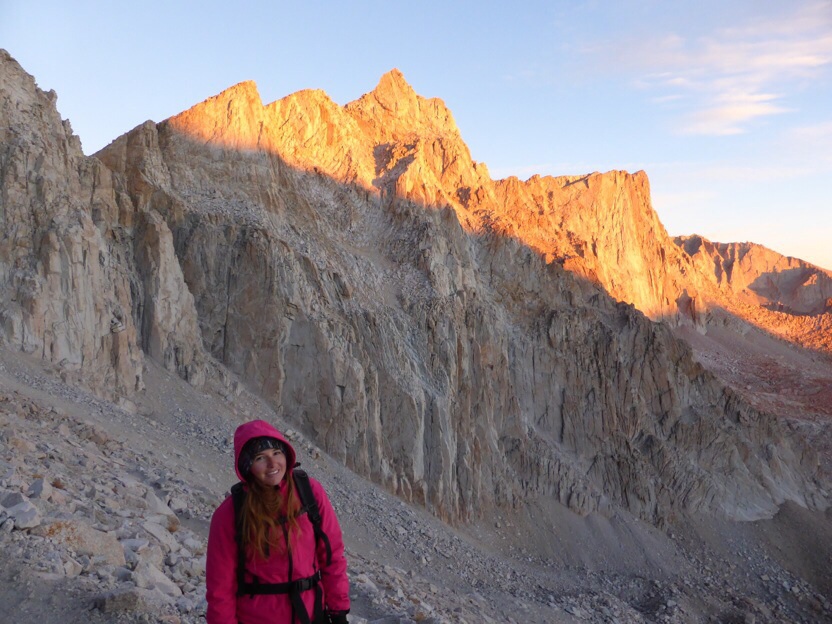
[(269, 467)]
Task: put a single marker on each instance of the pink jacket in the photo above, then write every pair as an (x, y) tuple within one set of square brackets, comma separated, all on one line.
[(224, 606)]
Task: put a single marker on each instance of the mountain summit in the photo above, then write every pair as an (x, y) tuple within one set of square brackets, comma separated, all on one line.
[(393, 141), (394, 101), (455, 338)]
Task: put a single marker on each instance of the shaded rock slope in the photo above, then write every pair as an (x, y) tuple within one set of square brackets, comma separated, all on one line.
[(87, 281), (104, 515), (356, 267), (450, 337)]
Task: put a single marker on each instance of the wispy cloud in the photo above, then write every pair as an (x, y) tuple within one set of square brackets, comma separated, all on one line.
[(810, 145), (730, 112), (720, 82)]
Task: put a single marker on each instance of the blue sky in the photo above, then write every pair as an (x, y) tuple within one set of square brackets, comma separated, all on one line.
[(726, 105)]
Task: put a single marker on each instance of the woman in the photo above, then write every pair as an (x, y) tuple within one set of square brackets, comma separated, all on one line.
[(286, 573)]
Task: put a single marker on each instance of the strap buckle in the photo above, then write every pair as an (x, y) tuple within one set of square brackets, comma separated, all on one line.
[(309, 582)]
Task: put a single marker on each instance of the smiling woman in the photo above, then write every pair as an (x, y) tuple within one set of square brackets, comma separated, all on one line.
[(269, 464), (275, 549)]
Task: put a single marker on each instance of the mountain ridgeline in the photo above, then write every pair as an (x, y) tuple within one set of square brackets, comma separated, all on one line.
[(468, 343)]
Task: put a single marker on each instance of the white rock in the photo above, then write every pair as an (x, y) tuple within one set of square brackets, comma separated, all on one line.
[(79, 536), (155, 505), (195, 546), (154, 555), (72, 568), (178, 505), (25, 515), (149, 577), (162, 534), (197, 566)]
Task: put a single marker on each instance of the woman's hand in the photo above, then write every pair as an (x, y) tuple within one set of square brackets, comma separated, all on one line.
[(338, 618)]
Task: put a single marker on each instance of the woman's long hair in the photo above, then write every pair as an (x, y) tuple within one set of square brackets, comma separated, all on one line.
[(268, 516)]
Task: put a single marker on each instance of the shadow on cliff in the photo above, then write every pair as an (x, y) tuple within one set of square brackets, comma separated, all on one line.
[(456, 269)]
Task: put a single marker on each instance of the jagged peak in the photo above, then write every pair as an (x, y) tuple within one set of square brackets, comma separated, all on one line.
[(304, 98), (243, 93), (246, 90), (245, 86), (691, 243), (393, 83), (394, 109), (232, 117), (12, 72), (393, 93)]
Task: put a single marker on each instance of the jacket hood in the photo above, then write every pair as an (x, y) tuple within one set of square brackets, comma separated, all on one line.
[(257, 429)]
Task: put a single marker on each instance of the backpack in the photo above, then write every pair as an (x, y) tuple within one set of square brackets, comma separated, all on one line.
[(294, 588)]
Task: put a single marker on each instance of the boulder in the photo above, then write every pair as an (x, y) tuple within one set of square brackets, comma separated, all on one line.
[(84, 540), (147, 576)]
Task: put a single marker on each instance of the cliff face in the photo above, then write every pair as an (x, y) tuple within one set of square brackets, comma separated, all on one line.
[(356, 267), (86, 281), (601, 226), (446, 335), (785, 296), (64, 295), (756, 275)]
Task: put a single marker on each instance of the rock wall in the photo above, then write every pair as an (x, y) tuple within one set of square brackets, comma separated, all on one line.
[(73, 290), (760, 276), (358, 269)]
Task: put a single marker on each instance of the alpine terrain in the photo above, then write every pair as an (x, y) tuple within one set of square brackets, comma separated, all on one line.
[(528, 402)]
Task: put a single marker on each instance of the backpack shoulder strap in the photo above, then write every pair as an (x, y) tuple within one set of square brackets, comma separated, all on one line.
[(310, 504), (238, 495)]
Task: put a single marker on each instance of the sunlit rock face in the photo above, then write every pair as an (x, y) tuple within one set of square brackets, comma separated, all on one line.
[(74, 290), (754, 274), (785, 295), (447, 335)]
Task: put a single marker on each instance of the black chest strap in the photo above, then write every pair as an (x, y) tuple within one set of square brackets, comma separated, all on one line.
[(294, 589)]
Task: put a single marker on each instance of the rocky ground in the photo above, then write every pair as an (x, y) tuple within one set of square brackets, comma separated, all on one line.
[(774, 376), (104, 511)]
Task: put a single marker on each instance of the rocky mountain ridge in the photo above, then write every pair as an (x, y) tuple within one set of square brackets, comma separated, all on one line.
[(785, 296), (374, 292), (390, 206), (473, 346), (757, 275)]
